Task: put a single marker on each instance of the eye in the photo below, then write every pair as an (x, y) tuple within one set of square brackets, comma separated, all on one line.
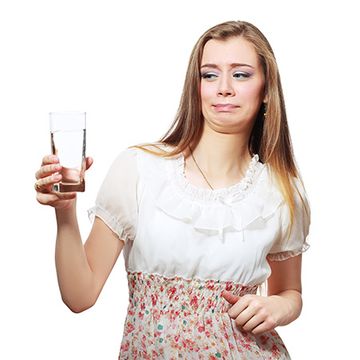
[(241, 75), (209, 76)]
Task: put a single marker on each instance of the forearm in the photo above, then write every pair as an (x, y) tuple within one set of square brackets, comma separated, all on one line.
[(74, 274), (290, 302)]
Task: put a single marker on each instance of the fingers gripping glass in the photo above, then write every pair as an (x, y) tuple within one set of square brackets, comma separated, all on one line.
[(68, 143)]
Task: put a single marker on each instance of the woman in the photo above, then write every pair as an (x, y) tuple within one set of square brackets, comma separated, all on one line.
[(204, 216)]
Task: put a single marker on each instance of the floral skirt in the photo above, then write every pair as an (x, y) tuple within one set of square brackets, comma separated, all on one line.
[(176, 318)]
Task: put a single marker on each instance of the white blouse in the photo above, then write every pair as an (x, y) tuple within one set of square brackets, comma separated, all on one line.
[(173, 228)]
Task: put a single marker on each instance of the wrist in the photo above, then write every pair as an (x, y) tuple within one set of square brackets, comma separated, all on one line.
[(289, 305), (66, 215)]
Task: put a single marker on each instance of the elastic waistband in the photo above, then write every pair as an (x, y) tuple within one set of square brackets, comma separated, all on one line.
[(160, 294)]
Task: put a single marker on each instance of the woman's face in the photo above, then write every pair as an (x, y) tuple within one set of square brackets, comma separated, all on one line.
[(232, 84)]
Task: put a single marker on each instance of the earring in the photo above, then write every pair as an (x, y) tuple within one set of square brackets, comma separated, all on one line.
[(265, 111)]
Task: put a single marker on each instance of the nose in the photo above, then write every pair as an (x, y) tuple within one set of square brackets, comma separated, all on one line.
[(225, 87)]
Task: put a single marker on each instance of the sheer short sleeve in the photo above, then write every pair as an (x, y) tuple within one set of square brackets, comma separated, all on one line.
[(286, 246), (116, 201)]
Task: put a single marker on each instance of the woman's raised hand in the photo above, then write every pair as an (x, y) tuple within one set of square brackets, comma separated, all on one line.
[(49, 174)]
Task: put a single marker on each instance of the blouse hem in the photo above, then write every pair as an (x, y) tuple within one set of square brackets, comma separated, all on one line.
[(284, 255), (110, 221)]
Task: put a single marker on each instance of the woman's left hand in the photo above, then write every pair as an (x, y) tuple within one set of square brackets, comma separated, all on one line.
[(256, 314)]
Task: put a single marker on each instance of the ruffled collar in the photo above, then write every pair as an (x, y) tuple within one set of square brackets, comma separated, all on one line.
[(247, 203), (237, 190)]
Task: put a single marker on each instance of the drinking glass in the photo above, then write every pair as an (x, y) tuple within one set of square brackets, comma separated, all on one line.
[(68, 143)]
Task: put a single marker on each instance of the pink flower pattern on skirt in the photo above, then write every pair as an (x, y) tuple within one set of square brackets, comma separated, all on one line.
[(176, 318)]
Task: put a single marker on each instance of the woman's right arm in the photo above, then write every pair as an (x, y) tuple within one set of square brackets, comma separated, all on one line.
[(82, 269)]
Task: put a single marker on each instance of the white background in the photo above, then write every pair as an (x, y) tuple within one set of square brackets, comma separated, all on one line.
[(124, 64)]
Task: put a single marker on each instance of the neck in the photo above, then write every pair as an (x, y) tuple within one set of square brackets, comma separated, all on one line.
[(218, 153)]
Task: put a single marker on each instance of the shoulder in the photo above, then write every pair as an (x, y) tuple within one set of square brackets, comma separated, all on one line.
[(153, 148), (267, 181), (151, 153), (149, 159), (300, 207), (133, 153), (270, 181), (126, 158), (268, 189)]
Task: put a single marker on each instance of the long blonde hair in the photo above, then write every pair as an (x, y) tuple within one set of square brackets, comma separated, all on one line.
[(270, 137)]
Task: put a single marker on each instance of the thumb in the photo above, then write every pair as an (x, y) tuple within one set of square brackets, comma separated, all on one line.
[(228, 296), (89, 162)]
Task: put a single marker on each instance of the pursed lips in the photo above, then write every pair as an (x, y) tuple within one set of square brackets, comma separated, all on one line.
[(225, 107)]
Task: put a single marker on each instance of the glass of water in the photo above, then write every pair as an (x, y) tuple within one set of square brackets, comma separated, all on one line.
[(68, 143)]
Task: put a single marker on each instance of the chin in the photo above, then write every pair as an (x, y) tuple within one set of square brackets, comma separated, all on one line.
[(224, 125)]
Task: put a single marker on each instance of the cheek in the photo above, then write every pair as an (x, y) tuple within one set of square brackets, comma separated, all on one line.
[(206, 92), (252, 93)]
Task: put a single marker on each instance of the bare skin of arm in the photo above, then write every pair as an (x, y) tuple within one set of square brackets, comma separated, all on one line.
[(285, 282), (82, 269)]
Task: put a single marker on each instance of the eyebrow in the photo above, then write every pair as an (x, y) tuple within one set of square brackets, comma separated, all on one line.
[(214, 66)]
